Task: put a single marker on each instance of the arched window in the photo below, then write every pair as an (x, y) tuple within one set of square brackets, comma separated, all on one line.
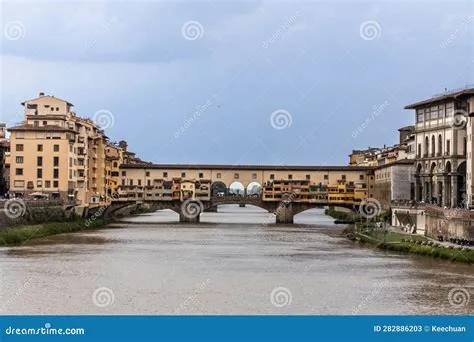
[(440, 145), (433, 145), (427, 146)]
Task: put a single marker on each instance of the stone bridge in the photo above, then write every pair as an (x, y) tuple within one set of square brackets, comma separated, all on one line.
[(190, 210)]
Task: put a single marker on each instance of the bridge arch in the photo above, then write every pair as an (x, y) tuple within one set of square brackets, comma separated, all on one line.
[(254, 189), (237, 188), (218, 187)]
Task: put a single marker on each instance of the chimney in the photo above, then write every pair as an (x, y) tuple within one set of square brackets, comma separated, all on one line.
[(41, 94)]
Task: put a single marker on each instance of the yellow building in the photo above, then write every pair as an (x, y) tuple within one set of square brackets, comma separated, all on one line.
[(56, 154), (113, 160)]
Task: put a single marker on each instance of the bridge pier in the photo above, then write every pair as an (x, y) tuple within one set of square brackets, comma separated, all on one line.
[(284, 213), (186, 218)]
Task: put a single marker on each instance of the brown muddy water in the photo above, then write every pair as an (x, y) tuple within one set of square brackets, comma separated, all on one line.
[(233, 262)]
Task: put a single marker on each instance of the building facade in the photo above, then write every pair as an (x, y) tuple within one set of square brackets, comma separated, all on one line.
[(443, 131), (56, 154)]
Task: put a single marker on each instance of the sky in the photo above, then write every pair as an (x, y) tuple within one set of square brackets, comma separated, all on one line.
[(249, 82)]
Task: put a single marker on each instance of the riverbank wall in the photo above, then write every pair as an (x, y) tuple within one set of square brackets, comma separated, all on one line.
[(433, 221)]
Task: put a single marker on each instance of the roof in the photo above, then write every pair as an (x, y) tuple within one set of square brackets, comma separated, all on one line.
[(397, 162), (443, 97), (46, 128), (50, 96), (407, 128), (246, 167)]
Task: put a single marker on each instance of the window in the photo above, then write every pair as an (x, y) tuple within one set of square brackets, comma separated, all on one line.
[(55, 173), (218, 175), (19, 147), (139, 182), (123, 182), (290, 176), (18, 183), (183, 174), (420, 116), (39, 173), (45, 123), (165, 174), (39, 161), (39, 183), (55, 184), (131, 182), (147, 174), (47, 184), (40, 148), (448, 147), (56, 148), (148, 182), (20, 135), (55, 161), (308, 177), (124, 173), (236, 176), (326, 177), (19, 172), (272, 176), (343, 177), (201, 175), (361, 177), (254, 176), (19, 160), (419, 150)]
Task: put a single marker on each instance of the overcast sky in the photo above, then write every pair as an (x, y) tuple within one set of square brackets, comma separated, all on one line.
[(237, 82)]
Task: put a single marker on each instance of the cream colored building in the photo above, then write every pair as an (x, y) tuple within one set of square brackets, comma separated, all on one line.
[(57, 154), (443, 142)]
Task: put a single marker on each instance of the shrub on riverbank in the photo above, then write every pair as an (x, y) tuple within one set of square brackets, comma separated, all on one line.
[(20, 235), (340, 215), (415, 244)]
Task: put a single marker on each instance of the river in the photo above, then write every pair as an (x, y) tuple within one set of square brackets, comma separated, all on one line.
[(233, 262)]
